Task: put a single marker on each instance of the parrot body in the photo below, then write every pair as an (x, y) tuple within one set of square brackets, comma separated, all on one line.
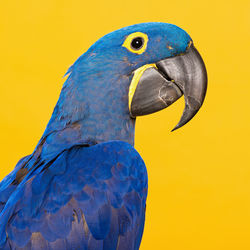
[(85, 186), (85, 198)]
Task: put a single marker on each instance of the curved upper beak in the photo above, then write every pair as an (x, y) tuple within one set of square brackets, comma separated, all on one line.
[(156, 86)]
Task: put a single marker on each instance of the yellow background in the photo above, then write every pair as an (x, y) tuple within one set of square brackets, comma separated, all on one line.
[(199, 176)]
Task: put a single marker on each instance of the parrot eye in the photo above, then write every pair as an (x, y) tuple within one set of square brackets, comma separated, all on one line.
[(136, 42)]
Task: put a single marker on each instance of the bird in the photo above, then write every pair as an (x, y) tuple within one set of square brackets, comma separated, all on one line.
[(85, 185)]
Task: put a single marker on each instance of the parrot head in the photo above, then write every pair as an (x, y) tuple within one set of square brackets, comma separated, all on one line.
[(134, 71), (164, 64)]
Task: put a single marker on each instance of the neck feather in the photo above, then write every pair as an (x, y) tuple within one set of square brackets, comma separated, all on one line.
[(92, 108)]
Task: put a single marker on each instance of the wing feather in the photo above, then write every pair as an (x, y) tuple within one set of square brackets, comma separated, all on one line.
[(87, 198)]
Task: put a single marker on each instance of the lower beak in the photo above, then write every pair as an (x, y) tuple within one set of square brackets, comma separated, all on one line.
[(156, 86)]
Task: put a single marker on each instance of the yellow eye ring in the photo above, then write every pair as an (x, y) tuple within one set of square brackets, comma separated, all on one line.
[(136, 39)]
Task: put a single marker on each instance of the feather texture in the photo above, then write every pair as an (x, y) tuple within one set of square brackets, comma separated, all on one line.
[(85, 186), (88, 198)]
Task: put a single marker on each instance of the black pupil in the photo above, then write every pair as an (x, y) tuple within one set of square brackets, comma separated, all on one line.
[(137, 43)]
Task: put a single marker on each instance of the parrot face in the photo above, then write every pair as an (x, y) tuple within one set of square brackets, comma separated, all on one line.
[(134, 71), (161, 64)]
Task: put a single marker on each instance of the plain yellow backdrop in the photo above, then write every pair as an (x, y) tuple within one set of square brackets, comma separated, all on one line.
[(199, 176)]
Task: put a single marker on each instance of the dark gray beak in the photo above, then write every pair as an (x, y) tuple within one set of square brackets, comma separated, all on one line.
[(162, 84)]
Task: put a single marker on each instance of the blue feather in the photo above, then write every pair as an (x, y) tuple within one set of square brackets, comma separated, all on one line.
[(85, 186), (87, 206)]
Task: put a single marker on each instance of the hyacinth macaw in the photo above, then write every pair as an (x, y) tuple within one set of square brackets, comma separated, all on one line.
[(85, 186)]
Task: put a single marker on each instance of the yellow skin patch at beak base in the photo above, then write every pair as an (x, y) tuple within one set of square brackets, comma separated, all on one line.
[(133, 85), (127, 42)]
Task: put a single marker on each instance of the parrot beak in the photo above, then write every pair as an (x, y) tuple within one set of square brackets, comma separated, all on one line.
[(156, 86)]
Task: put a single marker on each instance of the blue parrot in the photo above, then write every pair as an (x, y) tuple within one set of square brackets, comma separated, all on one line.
[(85, 186)]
